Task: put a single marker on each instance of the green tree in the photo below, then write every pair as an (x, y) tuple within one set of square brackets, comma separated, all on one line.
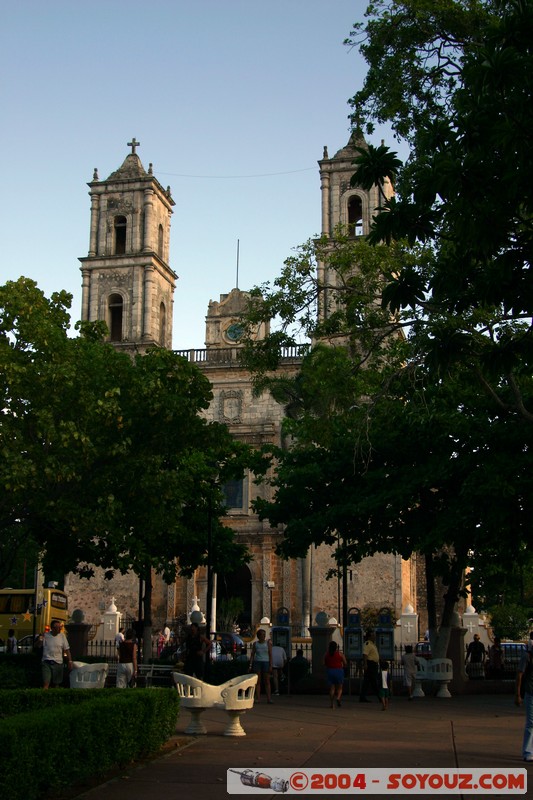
[(454, 78), (385, 454), (107, 460)]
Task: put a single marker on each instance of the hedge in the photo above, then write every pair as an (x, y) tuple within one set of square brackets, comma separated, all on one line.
[(66, 736), (18, 671)]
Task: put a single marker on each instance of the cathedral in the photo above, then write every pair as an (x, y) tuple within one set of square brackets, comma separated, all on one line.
[(127, 281)]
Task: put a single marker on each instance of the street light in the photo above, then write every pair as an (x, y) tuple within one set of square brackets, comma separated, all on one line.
[(271, 585)]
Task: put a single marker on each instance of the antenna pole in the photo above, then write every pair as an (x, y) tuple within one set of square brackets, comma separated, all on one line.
[(237, 281)]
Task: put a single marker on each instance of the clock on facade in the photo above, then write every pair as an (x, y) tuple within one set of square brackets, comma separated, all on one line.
[(234, 332)]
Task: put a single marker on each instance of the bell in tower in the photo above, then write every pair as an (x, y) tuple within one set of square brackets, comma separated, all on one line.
[(126, 278)]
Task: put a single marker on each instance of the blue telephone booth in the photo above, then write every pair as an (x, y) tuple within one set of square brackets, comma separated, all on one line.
[(281, 631), (353, 636), (385, 634)]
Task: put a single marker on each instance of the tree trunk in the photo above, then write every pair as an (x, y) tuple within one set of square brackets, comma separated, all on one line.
[(440, 637), (147, 632)]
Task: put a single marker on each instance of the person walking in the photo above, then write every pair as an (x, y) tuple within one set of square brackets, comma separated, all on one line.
[(11, 644), (196, 646), (335, 662), (385, 688), (524, 693), (496, 661), (127, 661), (370, 668), (279, 660), (476, 654), (55, 649), (261, 663), (119, 637), (409, 663)]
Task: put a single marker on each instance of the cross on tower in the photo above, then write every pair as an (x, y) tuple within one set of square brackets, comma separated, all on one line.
[(133, 144)]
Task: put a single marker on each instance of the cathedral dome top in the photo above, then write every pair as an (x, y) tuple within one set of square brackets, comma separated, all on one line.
[(131, 169), (356, 140)]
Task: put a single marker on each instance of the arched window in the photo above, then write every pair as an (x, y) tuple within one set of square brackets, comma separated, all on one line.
[(120, 235), (116, 308), (355, 215), (160, 238), (162, 324)]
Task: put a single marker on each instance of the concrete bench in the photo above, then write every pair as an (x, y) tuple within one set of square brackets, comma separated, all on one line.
[(88, 676), (437, 670), (233, 697)]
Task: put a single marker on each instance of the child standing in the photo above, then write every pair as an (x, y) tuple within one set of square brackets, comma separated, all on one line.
[(384, 685)]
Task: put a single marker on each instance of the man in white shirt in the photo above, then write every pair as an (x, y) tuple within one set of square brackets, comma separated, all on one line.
[(119, 637), (55, 647)]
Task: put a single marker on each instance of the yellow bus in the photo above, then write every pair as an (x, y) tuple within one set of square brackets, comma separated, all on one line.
[(27, 613)]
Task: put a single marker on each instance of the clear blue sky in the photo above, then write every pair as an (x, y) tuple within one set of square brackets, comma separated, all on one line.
[(232, 101)]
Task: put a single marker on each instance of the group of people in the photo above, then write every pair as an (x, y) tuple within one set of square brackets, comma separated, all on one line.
[(376, 673), (480, 661), (56, 650), (268, 661)]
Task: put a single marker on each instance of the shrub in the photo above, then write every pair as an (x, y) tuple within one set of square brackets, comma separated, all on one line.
[(19, 671), (85, 732)]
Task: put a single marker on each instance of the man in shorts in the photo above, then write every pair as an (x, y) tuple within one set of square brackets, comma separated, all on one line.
[(55, 648)]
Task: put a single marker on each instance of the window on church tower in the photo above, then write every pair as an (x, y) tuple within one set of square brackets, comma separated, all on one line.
[(120, 235), (355, 215), (116, 308), (236, 495), (160, 238), (162, 324)]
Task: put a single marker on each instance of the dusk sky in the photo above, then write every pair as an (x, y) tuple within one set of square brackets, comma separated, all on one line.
[(231, 100)]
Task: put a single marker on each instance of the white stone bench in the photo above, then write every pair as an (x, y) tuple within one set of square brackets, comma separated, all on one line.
[(234, 697), (88, 676), (438, 670)]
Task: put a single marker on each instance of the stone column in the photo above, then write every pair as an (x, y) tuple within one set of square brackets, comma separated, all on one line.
[(321, 634), (325, 202), (148, 290), (78, 639), (93, 242), (111, 622), (85, 292), (471, 624), (102, 232), (148, 211), (407, 630)]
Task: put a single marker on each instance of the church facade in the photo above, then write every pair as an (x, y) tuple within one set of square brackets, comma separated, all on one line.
[(128, 283)]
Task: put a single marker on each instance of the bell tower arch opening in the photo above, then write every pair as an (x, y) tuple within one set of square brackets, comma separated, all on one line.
[(121, 228), (115, 307), (162, 324), (355, 215)]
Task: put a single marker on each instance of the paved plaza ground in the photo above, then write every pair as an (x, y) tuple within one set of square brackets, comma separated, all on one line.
[(472, 731)]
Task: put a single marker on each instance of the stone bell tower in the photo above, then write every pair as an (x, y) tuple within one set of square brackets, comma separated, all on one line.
[(126, 278), (343, 204)]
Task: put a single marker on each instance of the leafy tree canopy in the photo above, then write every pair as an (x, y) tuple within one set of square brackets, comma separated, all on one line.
[(385, 454), (105, 460), (454, 78)]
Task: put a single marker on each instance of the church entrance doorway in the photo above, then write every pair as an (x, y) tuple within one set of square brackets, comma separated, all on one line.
[(234, 599)]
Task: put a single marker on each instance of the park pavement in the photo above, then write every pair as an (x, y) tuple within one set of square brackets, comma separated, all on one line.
[(302, 731)]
